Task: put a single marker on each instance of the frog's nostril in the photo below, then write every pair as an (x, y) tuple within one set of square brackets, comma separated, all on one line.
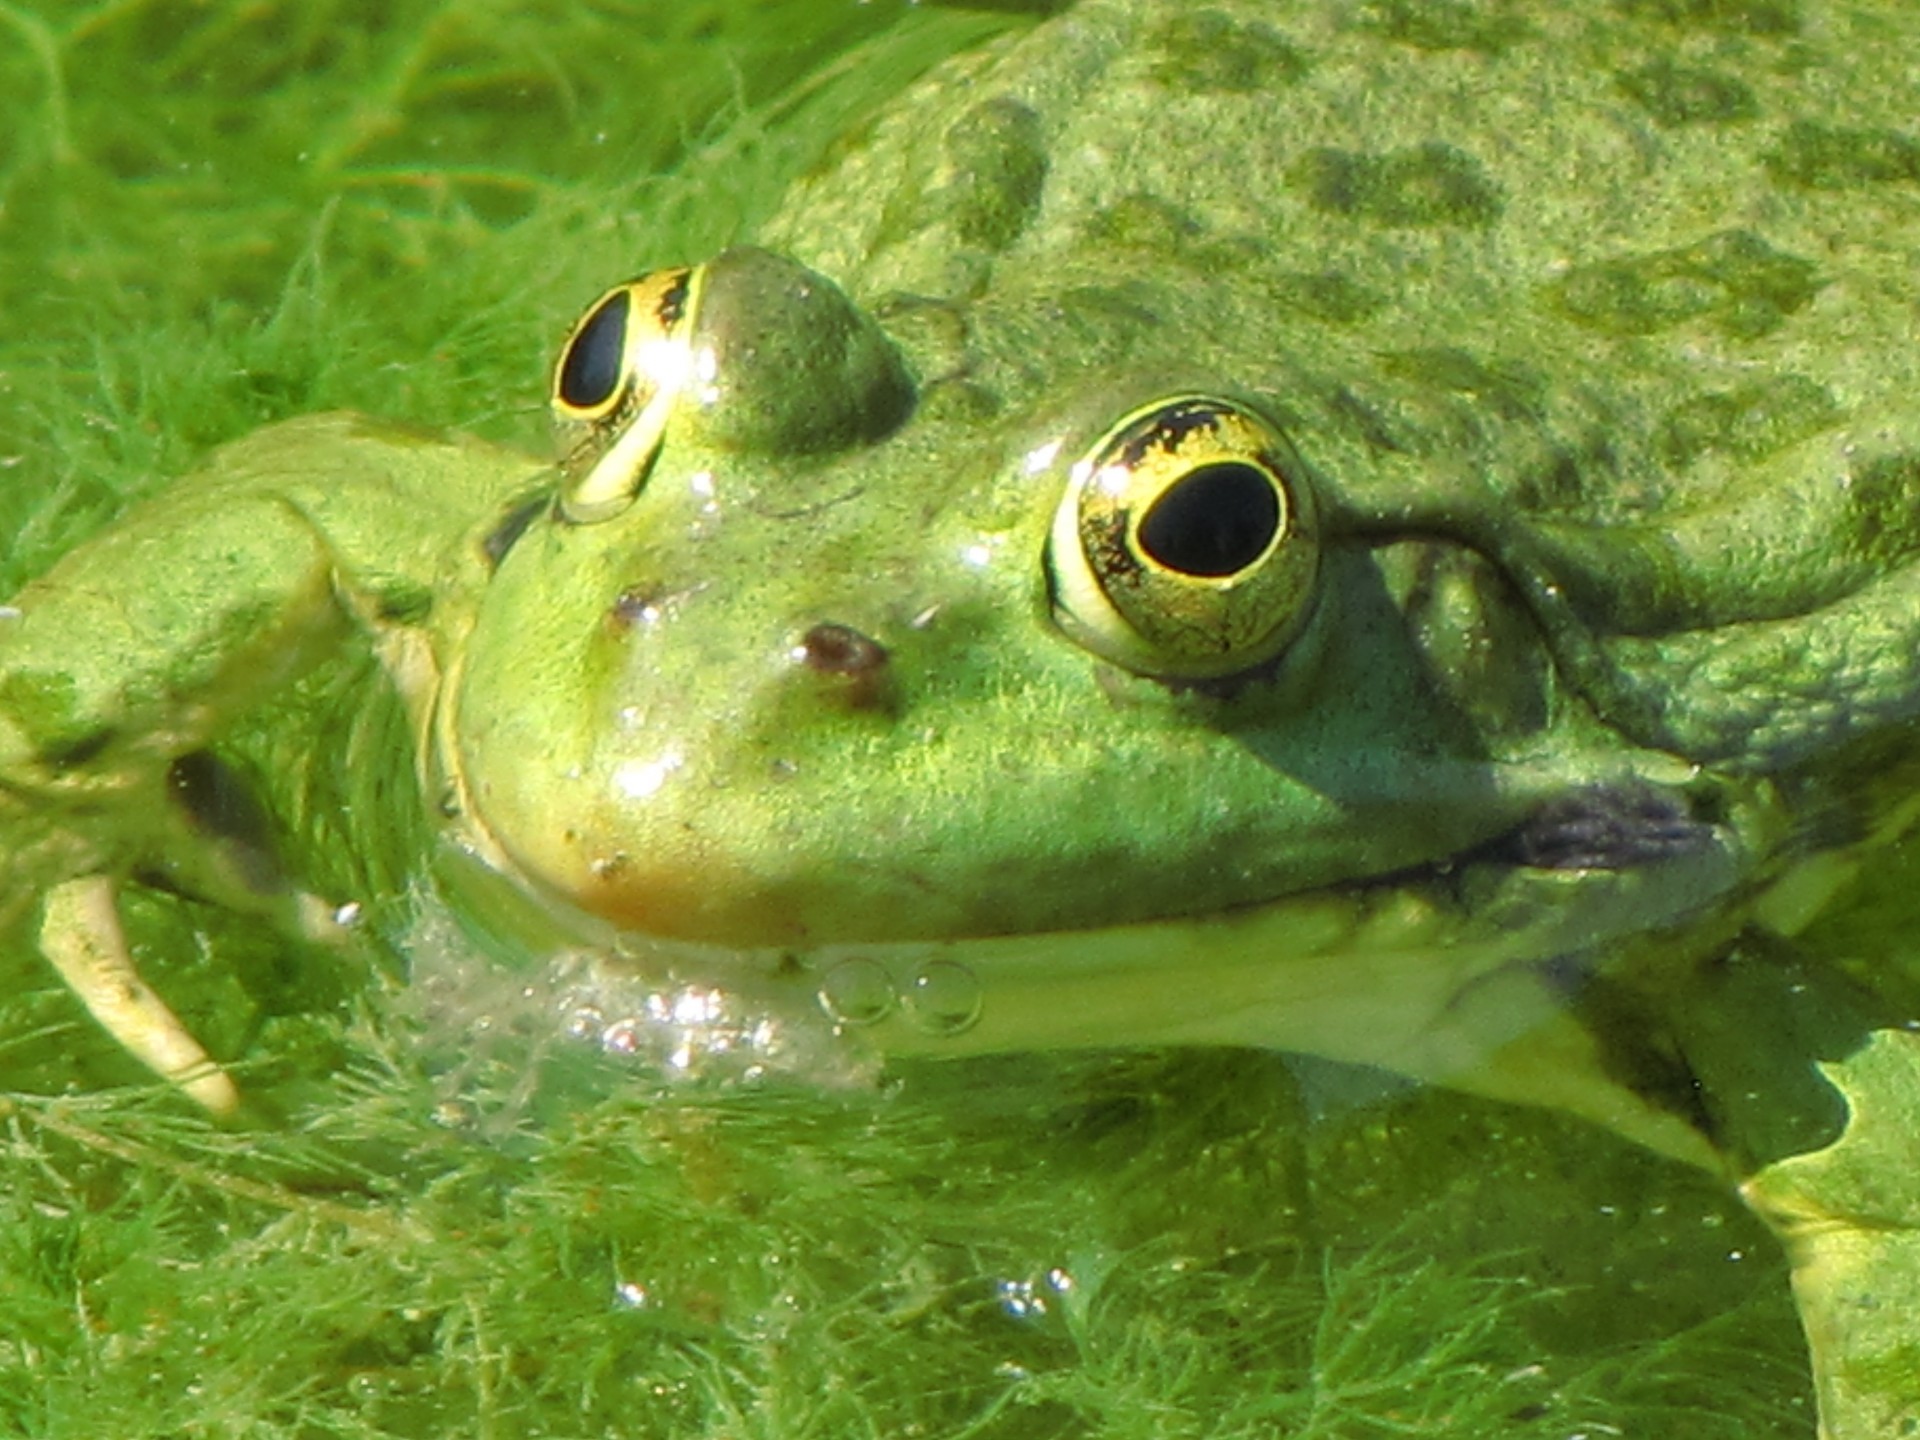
[(858, 662), (834, 649)]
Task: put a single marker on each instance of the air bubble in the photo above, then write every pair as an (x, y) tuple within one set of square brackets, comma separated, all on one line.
[(943, 998), (585, 1023), (1019, 1300), (622, 1037), (857, 992)]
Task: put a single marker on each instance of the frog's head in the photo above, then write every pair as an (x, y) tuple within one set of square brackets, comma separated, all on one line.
[(1129, 494), (814, 647)]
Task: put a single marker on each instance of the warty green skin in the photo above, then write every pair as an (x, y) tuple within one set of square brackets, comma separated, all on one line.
[(1592, 329)]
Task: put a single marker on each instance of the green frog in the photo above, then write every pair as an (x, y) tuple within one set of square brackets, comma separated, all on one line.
[(1385, 531)]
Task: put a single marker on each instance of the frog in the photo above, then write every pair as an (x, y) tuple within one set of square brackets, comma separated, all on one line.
[(1382, 532)]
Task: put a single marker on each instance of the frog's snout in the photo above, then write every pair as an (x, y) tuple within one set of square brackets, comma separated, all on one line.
[(853, 668)]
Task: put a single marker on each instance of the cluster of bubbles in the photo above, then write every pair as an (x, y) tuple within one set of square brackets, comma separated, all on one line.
[(700, 1029), (694, 1031), (668, 1020), (1034, 1299)]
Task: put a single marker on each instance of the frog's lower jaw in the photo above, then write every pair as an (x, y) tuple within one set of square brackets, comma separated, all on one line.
[(1474, 979), (1469, 982)]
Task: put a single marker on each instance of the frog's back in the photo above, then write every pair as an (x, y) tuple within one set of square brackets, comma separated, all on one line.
[(1621, 293), (1679, 229)]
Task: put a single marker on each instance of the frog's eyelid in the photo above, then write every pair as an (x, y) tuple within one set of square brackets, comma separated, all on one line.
[(614, 389), (610, 483)]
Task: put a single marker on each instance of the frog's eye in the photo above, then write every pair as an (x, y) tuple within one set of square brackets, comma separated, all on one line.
[(614, 386), (1186, 544)]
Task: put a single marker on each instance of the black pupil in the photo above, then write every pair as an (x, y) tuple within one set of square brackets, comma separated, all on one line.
[(591, 368), (1216, 521)]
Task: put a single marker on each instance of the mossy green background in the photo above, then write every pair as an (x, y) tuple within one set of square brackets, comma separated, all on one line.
[(216, 214)]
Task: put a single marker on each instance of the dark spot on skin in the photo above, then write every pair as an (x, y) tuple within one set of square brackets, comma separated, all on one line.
[(1732, 279), (633, 606), (858, 662), (1676, 95), (1208, 51), (1328, 295), (1417, 186), (1748, 422), (609, 867), (1440, 25), (1505, 389), (1741, 17), (1565, 480), (1366, 420), (998, 166), (1095, 315), (505, 535), (75, 753), (840, 650), (1144, 220), (1882, 514), (1813, 156), (1605, 827), (401, 604)]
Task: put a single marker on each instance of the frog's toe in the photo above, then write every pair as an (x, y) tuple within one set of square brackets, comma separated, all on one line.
[(81, 934), (1849, 1216)]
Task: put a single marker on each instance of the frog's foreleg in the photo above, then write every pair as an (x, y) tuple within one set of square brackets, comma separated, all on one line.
[(80, 933)]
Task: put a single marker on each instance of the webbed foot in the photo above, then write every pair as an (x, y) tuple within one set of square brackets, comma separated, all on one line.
[(1849, 1217)]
